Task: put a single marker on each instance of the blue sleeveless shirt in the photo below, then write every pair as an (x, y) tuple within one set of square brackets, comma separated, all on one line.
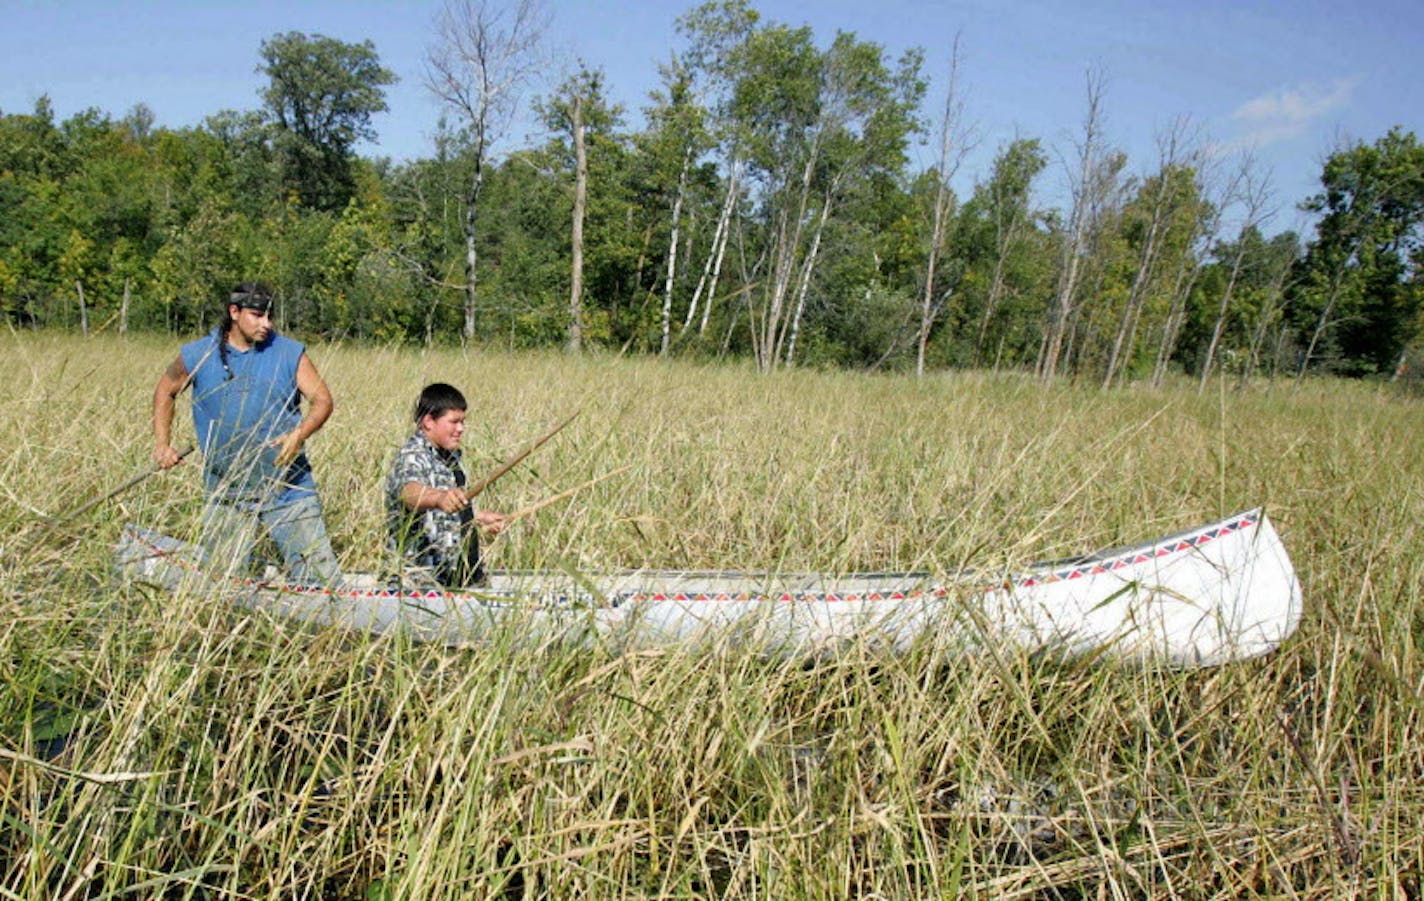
[(239, 409)]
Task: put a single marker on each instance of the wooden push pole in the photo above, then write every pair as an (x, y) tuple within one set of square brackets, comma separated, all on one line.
[(514, 461)]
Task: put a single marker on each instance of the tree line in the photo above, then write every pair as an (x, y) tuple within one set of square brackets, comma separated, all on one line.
[(766, 208)]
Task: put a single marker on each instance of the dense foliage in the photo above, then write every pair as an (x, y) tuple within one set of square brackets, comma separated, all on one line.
[(765, 208)]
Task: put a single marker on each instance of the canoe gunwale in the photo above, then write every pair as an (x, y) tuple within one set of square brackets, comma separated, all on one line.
[(907, 585)]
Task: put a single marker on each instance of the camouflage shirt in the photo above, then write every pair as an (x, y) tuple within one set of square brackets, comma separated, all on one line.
[(431, 545)]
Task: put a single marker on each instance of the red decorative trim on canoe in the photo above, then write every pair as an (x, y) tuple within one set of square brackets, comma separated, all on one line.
[(1173, 545)]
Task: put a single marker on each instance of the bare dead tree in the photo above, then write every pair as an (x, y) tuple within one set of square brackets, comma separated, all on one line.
[(1188, 269), (1087, 324), (1011, 222), (1206, 223), (1253, 189), (1164, 204), (1084, 188), (483, 56), (953, 145)]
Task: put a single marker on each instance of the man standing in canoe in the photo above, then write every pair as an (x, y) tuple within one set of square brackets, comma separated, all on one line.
[(248, 385)]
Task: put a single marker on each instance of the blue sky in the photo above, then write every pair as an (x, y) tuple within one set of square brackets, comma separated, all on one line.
[(1291, 80)]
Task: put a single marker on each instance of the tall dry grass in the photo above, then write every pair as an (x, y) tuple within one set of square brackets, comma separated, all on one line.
[(156, 745)]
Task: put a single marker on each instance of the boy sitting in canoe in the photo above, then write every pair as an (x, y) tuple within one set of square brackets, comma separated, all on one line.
[(431, 526)]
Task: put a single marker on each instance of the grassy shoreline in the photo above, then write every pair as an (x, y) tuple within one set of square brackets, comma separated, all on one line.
[(169, 746)]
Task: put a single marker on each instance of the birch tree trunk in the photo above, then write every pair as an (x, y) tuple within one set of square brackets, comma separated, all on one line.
[(672, 251), (83, 310), (470, 222), (784, 266), (712, 266), (124, 308), (804, 288), (720, 256), (576, 232)]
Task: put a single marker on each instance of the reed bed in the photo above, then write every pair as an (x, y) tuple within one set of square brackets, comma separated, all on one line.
[(167, 745)]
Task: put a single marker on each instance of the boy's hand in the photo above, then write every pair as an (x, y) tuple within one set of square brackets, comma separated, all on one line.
[(491, 522), (453, 500)]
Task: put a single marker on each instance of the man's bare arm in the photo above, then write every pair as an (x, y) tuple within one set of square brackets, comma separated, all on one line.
[(170, 385), (319, 406)]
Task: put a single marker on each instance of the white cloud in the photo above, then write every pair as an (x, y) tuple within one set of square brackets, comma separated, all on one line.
[(1288, 112)]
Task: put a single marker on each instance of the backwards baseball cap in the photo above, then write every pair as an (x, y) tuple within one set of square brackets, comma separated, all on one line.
[(252, 296)]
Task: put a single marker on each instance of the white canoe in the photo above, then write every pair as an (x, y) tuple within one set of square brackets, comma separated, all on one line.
[(1211, 595)]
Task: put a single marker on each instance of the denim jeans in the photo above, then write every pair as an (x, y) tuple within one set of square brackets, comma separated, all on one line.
[(297, 529)]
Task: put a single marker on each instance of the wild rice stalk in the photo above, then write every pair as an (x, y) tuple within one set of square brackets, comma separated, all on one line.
[(158, 743)]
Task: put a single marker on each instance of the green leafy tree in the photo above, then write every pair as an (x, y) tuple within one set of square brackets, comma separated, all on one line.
[(72, 194), (363, 292), (1159, 223), (1358, 290), (322, 94), (575, 109), (425, 235), (588, 157), (524, 246), (235, 155), (197, 265), (808, 124), (1254, 271), (670, 150), (33, 165), (1000, 266), (1093, 183)]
